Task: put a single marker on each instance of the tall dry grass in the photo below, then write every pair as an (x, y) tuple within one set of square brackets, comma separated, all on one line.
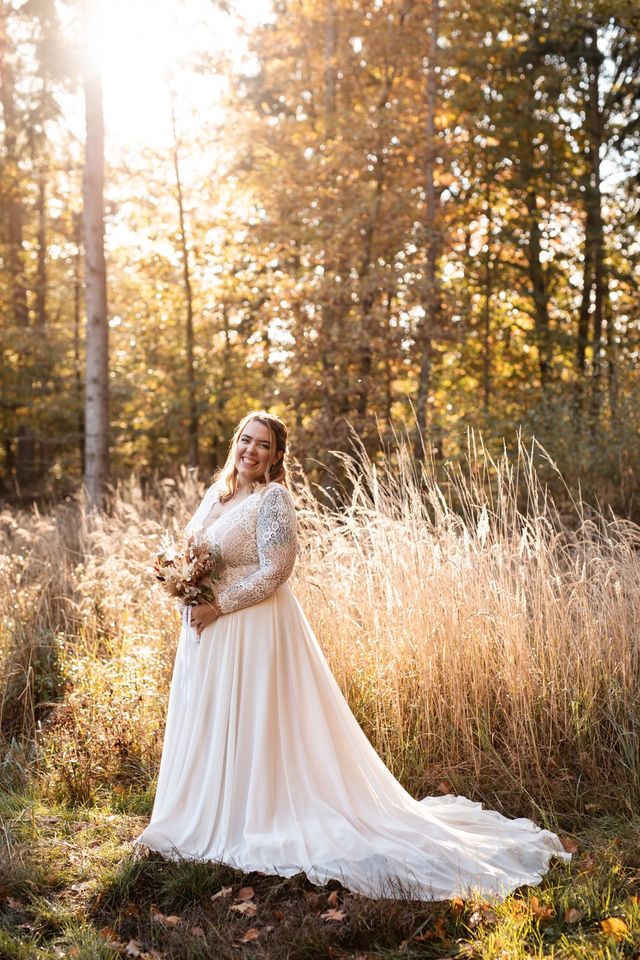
[(481, 637)]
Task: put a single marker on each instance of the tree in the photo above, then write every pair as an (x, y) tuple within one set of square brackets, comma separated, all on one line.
[(97, 339)]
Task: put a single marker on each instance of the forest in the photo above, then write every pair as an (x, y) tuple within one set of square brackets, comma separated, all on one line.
[(408, 228), (368, 217)]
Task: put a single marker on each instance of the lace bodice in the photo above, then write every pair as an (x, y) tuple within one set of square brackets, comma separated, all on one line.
[(258, 542)]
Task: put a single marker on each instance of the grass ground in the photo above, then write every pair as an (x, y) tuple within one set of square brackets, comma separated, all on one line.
[(72, 886)]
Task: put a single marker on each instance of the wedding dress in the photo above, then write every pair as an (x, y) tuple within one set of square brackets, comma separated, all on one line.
[(264, 767)]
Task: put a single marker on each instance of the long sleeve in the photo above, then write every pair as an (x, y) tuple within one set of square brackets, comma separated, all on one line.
[(277, 545)]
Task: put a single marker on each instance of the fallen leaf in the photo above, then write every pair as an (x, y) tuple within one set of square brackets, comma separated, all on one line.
[(223, 892), (475, 919), (312, 899), (108, 933), (252, 934), (332, 899), (539, 911), (160, 917), (278, 914), (457, 905), (197, 931), (519, 906), (587, 864), (445, 786), (572, 915), (569, 844), (132, 949), (333, 915), (248, 909), (614, 927), (15, 904), (245, 893), (74, 951), (438, 932)]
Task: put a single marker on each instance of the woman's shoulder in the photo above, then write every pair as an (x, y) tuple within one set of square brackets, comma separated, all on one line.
[(276, 485), (276, 493)]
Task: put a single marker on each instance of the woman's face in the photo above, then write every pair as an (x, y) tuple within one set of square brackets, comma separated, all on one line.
[(253, 452)]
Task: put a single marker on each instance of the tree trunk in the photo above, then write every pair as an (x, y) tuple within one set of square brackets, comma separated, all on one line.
[(41, 263), (612, 366), (77, 362), (488, 296), (97, 339), (594, 280), (539, 288), (582, 340), (330, 44), (220, 439), (193, 426), (594, 132), (15, 252), (431, 303)]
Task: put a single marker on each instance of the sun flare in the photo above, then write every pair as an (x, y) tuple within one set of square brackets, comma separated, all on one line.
[(143, 49)]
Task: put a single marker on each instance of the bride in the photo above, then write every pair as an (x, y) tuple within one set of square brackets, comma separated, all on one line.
[(264, 767)]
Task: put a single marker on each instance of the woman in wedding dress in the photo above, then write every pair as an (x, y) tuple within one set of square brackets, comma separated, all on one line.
[(264, 767)]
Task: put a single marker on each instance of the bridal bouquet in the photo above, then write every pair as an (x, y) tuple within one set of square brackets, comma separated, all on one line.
[(190, 571)]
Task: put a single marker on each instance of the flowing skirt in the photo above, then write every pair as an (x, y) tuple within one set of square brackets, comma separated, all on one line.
[(264, 767)]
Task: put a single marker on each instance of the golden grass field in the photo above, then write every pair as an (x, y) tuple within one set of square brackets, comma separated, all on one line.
[(485, 637)]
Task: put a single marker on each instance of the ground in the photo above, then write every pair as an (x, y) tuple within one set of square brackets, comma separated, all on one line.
[(73, 886)]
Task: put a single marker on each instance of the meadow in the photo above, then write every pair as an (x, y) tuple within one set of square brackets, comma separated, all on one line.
[(485, 635)]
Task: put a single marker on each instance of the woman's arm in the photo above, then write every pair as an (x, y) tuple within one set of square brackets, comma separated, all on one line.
[(277, 545)]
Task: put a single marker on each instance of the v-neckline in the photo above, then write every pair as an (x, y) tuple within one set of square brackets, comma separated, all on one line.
[(206, 528)]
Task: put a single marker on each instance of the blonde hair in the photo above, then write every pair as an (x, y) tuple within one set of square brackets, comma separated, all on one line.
[(276, 472)]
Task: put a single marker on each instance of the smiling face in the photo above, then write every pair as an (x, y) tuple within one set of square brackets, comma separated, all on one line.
[(253, 453)]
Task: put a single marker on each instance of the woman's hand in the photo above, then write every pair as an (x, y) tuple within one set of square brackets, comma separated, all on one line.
[(202, 614)]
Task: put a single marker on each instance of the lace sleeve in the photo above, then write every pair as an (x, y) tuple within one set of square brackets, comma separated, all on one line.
[(277, 544)]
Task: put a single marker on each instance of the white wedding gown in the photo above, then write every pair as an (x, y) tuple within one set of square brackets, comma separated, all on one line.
[(264, 767)]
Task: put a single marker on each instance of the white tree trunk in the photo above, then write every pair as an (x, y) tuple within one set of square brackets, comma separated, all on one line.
[(97, 339)]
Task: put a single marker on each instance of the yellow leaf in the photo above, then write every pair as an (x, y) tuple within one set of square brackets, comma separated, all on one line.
[(614, 927), (539, 911), (519, 906)]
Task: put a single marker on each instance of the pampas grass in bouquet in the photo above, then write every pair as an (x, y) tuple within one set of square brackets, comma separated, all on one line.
[(188, 571)]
